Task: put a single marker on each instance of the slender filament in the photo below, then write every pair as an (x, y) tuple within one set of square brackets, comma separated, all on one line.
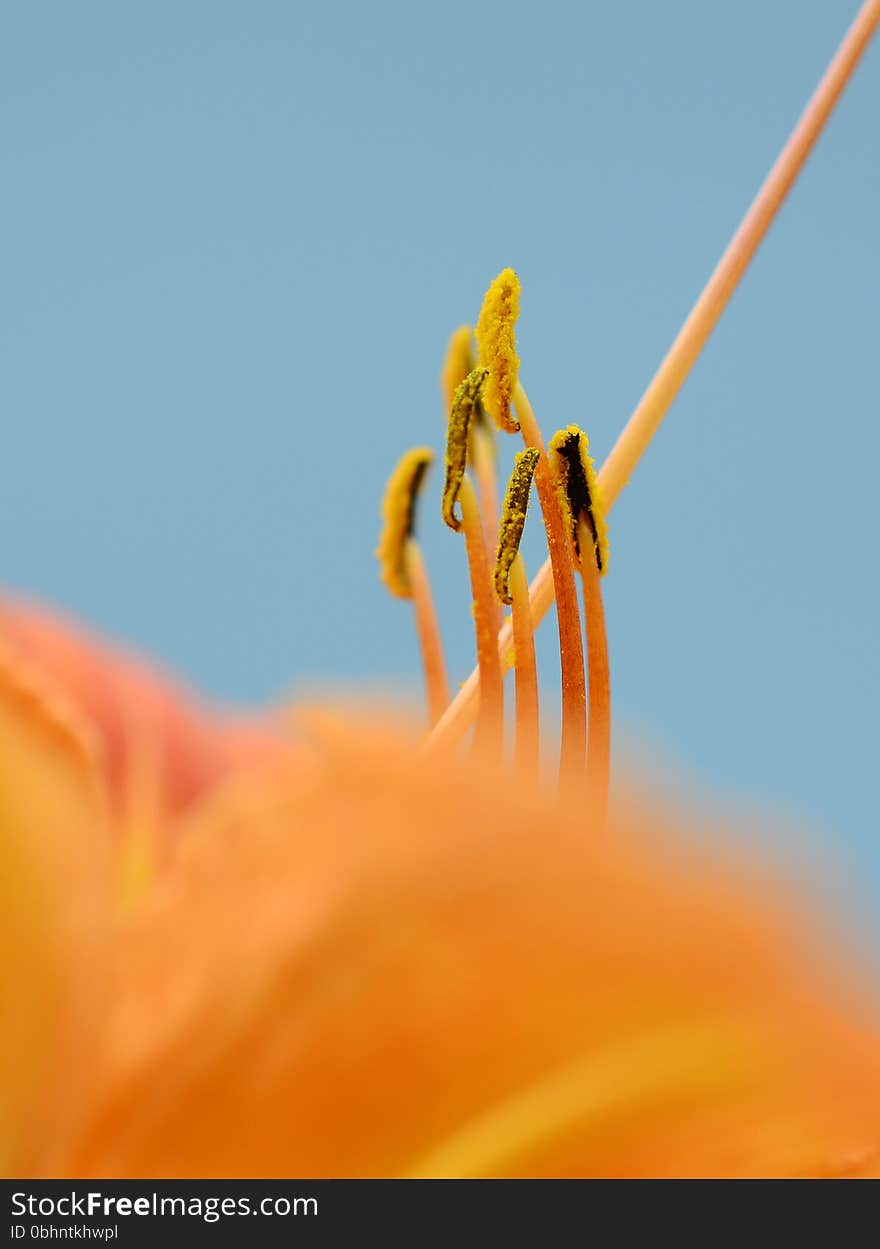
[(488, 738), (571, 651), (482, 459), (527, 739), (692, 337), (428, 630), (599, 686)]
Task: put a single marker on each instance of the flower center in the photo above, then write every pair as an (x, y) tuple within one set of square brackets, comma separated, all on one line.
[(570, 504)]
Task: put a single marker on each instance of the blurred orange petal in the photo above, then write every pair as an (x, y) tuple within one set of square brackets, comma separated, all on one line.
[(386, 964), (55, 906), (143, 721)]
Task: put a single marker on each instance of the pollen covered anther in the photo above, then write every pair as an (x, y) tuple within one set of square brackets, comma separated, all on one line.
[(398, 512), (458, 363), (457, 437), (579, 492), (513, 518), (403, 570), (496, 346)]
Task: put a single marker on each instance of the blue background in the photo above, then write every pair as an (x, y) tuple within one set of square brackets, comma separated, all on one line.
[(235, 237)]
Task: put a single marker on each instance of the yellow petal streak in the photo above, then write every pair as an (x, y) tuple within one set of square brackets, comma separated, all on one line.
[(703, 1060)]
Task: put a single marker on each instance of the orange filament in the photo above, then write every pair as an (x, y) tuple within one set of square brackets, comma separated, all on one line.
[(599, 679), (526, 742), (488, 738), (482, 463), (571, 651), (428, 630), (658, 398)]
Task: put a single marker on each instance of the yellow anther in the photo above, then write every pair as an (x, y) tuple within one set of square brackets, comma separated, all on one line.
[(513, 518), (460, 416), (398, 513), (458, 363), (496, 347), (579, 491)]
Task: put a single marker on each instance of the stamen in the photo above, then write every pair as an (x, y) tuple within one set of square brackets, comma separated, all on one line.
[(398, 513), (496, 344), (496, 327), (457, 437), (513, 518), (488, 738), (482, 455), (404, 573), (580, 494), (458, 363), (580, 500), (571, 651), (657, 399)]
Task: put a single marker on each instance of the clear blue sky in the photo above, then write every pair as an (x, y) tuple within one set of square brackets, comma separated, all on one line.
[(236, 236)]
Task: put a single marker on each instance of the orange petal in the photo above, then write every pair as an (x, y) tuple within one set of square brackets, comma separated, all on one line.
[(143, 721), (54, 918), (390, 964)]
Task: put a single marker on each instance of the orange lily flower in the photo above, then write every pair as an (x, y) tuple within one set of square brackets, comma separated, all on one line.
[(235, 949)]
